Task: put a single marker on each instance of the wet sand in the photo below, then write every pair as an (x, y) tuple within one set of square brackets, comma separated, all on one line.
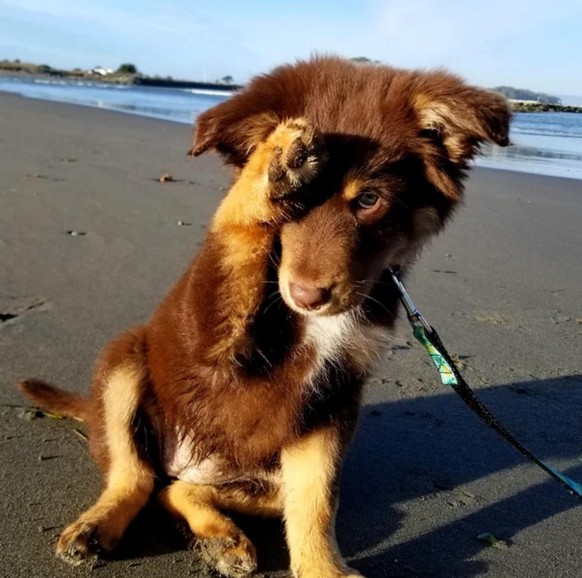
[(90, 242)]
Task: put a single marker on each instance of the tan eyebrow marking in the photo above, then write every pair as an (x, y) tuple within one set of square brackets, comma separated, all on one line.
[(352, 186)]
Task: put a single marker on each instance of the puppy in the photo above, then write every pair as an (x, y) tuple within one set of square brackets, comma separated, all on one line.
[(243, 391)]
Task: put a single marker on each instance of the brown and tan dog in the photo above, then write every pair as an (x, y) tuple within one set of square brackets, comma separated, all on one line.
[(243, 391)]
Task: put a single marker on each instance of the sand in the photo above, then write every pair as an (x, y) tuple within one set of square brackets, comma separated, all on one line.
[(424, 477)]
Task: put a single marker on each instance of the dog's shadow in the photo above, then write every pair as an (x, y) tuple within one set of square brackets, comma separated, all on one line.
[(423, 450), (426, 449)]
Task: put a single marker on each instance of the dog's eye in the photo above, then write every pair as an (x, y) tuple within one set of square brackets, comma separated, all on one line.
[(367, 200)]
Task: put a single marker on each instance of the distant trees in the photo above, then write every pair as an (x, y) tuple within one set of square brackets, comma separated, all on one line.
[(227, 79), (127, 68), (17, 66), (11, 65), (524, 94), (364, 60)]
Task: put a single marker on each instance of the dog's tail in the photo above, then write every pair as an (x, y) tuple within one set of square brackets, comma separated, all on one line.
[(55, 400)]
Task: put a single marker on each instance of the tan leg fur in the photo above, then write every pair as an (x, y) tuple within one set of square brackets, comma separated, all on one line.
[(129, 480), (222, 544), (260, 199), (310, 470)]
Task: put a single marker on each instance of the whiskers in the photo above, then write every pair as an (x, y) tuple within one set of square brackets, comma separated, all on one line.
[(368, 284), (275, 261), (273, 298), (374, 300)]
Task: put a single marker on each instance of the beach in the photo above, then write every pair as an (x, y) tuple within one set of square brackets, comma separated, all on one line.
[(90, 241)]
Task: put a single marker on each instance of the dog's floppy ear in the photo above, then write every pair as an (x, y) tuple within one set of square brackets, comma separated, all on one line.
[(233, 128), (458, 118)]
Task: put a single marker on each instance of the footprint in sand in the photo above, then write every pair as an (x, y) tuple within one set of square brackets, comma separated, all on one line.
[(11, 308), (495, 318)]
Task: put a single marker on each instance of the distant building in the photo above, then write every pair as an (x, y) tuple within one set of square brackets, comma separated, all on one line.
[(523, 101), (101, 71)]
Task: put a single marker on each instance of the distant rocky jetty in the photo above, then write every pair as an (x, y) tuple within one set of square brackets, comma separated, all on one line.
[(185, 84), (523, 100), (533, 106)]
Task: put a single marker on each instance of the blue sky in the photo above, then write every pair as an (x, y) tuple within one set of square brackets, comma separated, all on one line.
[(530, 44)]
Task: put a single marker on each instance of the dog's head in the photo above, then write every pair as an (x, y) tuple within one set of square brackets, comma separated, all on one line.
[(399, 144)]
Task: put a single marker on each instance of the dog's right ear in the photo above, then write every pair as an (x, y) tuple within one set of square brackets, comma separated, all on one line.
[(233, 128)]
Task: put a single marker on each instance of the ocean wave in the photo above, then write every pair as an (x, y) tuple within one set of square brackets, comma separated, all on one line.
[(548, 132), (51, 82), (74, 83), (205, 91)]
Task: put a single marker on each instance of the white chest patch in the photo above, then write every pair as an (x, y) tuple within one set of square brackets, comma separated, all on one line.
[(180, 463), (344, 337)]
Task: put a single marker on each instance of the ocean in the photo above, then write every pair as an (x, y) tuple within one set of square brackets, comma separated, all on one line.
[(543, 143)]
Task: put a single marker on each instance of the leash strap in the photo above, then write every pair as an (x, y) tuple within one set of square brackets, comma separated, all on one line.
[(450, 375)]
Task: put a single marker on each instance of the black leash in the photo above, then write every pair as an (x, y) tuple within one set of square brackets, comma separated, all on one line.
[(450, 375)]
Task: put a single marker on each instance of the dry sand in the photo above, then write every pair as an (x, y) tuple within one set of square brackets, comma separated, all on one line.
[(424, 476)]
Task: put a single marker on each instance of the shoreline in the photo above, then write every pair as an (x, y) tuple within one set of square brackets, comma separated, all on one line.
[(498, 161), (122, 80), (502, 285), (159, 82)]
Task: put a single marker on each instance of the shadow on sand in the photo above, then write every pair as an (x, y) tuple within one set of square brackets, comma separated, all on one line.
[(416, 449)]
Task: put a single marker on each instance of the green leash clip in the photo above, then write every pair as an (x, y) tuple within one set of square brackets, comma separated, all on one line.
[(445, 370)]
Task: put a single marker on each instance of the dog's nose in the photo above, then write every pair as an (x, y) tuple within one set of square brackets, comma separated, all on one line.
[(309, 297)]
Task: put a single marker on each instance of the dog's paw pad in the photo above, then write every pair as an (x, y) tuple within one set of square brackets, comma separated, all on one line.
[(276, 170), (296, 152), (78, 543), (230, 557)]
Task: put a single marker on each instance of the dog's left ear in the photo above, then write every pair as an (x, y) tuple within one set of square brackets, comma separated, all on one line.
[(233, 128), (458, 118)]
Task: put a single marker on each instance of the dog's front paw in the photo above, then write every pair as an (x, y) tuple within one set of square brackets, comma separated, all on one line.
[(296, 155), (79, 543), (230, 557)]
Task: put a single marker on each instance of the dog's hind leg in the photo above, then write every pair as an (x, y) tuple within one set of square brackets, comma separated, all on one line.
[(129, 480), (221, 543)]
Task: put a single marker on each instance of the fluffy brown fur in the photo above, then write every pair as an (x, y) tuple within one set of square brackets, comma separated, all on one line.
[(243, 390)]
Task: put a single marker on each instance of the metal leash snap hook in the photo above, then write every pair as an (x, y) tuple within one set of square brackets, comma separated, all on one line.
[(415, 317)]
